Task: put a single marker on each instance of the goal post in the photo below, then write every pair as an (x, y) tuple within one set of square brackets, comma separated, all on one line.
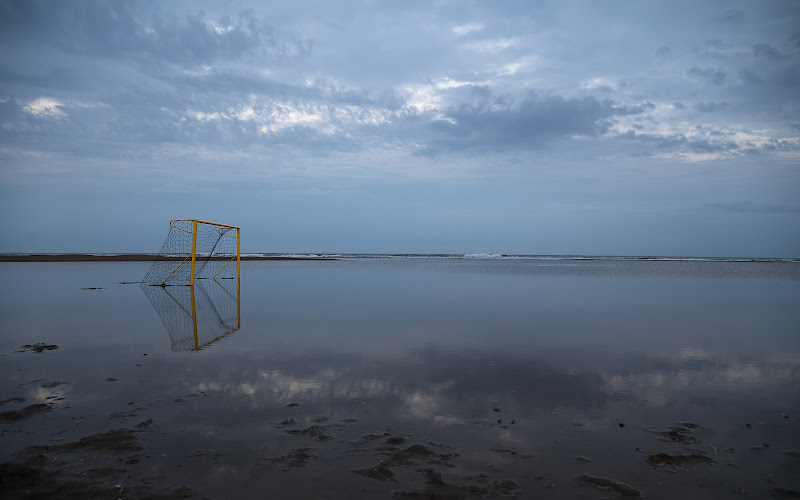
[(196, 249)]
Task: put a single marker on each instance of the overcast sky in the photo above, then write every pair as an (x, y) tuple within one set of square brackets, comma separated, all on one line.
[(546, 127)]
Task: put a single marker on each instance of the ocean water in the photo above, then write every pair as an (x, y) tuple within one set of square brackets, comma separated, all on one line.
[(460, 377)]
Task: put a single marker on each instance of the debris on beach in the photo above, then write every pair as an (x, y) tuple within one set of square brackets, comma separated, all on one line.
[(27, 412), (39, 347), (621, 489)]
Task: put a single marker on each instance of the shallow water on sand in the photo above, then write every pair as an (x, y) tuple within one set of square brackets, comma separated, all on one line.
[(451, 377)]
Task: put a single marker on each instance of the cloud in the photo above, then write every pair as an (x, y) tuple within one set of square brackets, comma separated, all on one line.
[(45, 107), (492, 46), (663, 54), (710, 75), (532, 122), (710, 107), (465, 29), (767, 51), (110, 29), (733, 15)]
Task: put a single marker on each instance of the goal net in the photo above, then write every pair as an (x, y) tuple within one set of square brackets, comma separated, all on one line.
[(196, 249)]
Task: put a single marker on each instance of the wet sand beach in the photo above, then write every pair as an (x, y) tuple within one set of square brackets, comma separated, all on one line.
[(402, 378)]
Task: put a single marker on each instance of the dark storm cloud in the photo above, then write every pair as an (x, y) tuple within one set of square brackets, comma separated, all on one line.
[(529, 123)]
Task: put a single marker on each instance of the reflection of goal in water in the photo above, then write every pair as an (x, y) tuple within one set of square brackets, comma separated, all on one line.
[(197, 316), (194, 282)]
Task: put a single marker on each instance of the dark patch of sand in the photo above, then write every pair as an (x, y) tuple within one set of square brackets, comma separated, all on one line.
[(285, 423), (38, 347), (378, 472), (12, 400), (27, 412), (784, 494), (438, 489), (315, 431), (41, 472), (680, 433), (295, 458), (621, 489), (115, 440), (416, 454), (201, 452), (366, 438), (681, 462), (50, 385)]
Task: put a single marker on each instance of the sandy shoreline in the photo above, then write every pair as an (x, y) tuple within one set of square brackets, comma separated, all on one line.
[(74, 257)]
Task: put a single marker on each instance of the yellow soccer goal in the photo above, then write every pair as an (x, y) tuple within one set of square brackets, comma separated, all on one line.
[(196, 249)]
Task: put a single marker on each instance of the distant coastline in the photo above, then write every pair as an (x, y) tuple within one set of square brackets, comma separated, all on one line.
[(139, 257), (132, 257)]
